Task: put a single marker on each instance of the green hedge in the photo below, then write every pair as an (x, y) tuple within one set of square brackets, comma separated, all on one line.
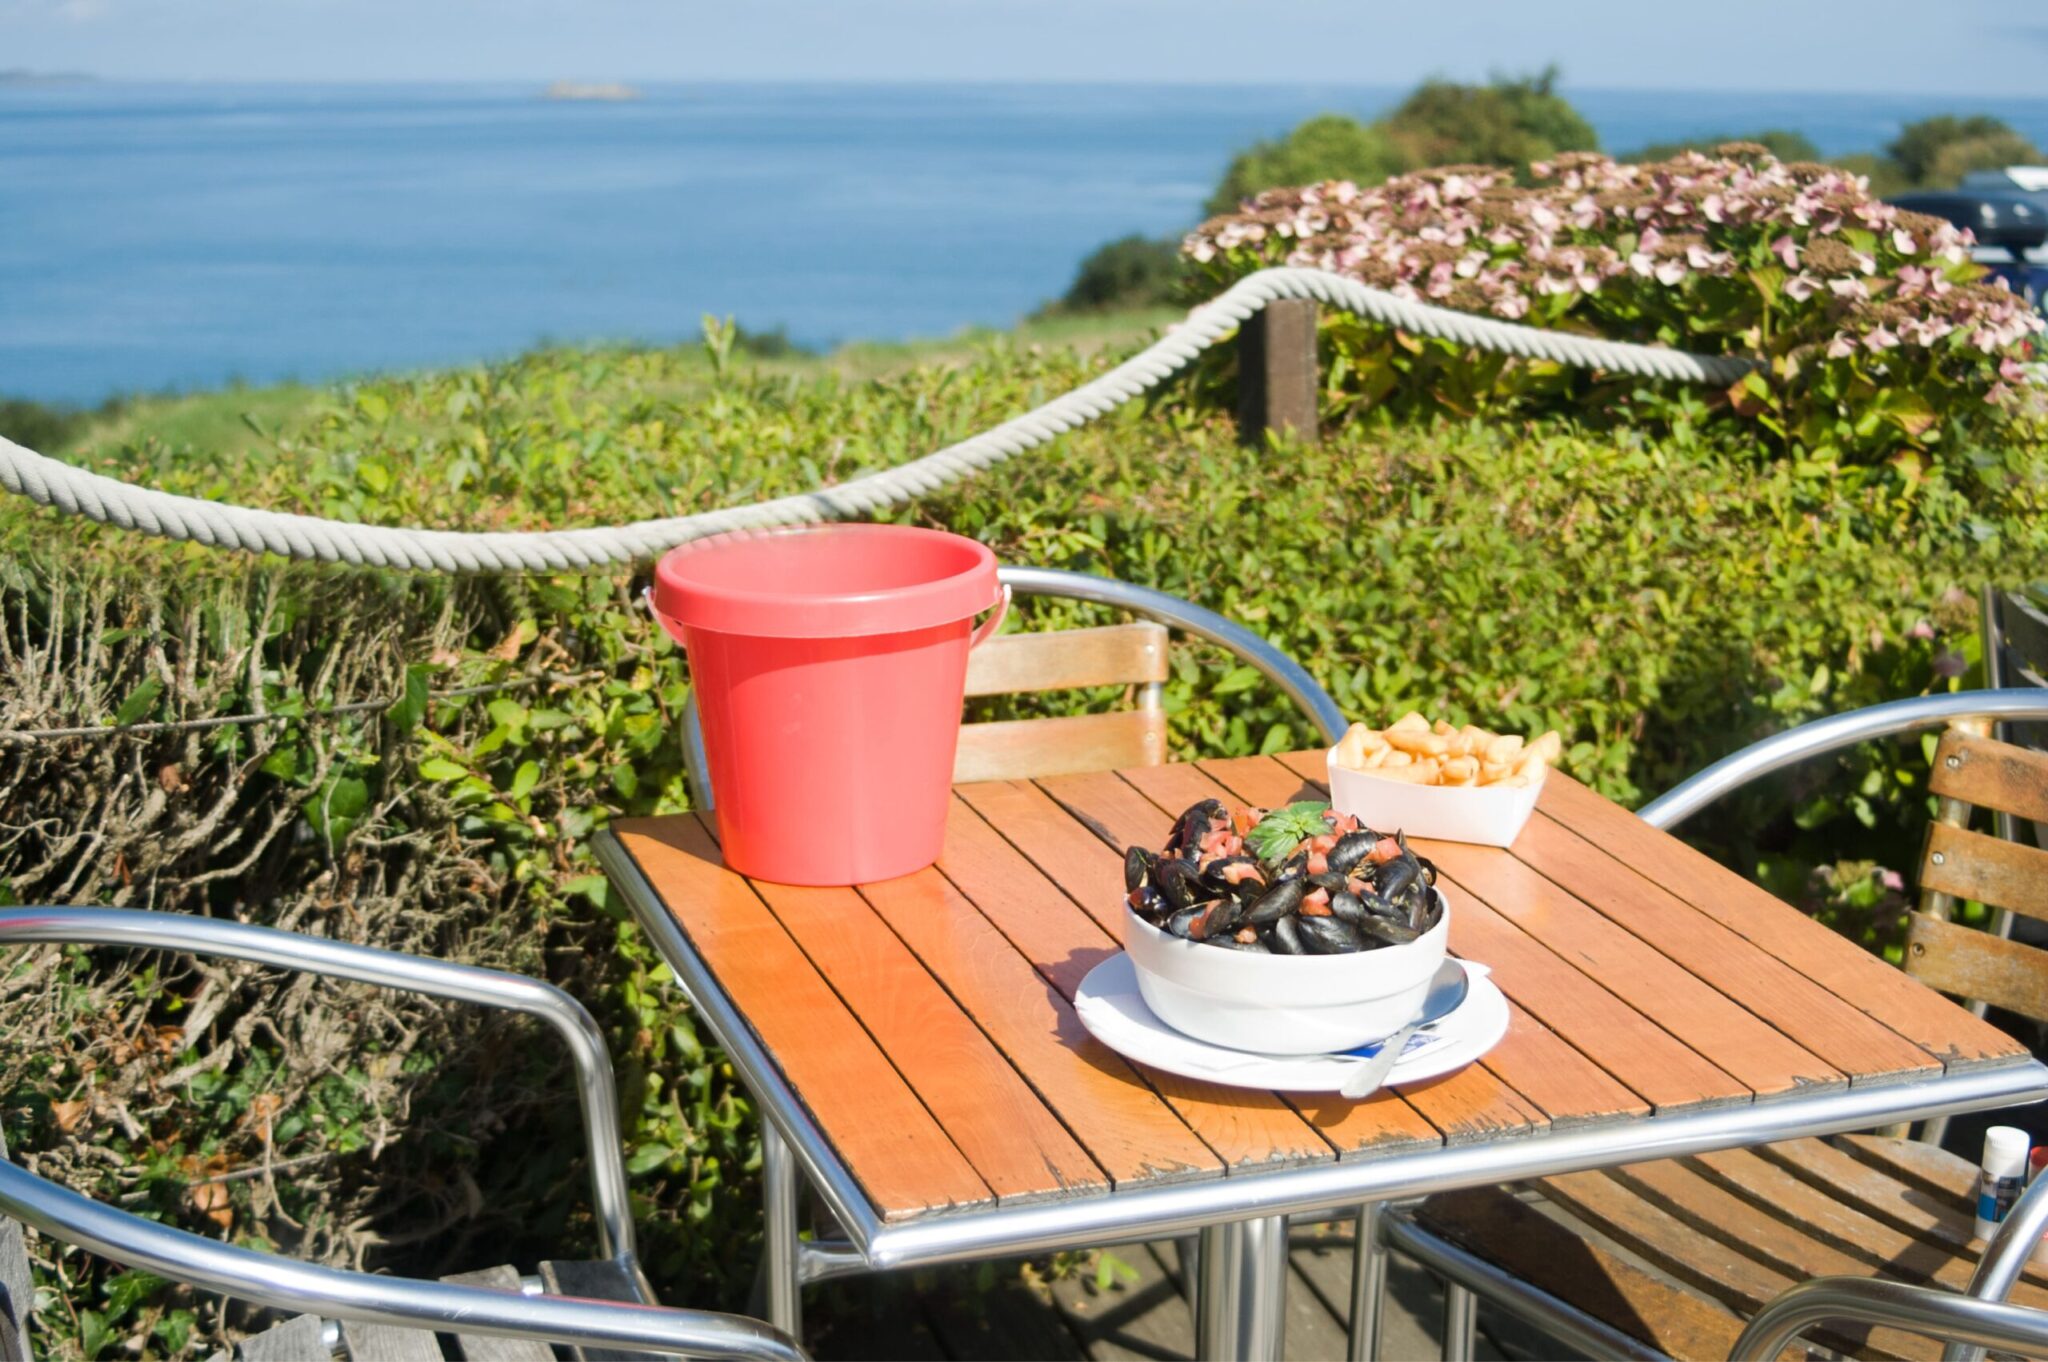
[(1658, 602)]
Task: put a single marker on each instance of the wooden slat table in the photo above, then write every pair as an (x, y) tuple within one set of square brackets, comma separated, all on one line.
[(914, 1045)]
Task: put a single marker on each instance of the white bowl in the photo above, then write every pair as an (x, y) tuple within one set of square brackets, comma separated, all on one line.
[(1284, 1004), (1490, 815)]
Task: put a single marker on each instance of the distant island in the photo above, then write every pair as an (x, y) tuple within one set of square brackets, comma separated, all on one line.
[(602, 91), (20, 76)]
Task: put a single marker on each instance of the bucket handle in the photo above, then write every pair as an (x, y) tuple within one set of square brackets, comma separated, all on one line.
[(994, 621)]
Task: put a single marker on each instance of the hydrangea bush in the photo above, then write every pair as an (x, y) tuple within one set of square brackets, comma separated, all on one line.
[(1881, 337)]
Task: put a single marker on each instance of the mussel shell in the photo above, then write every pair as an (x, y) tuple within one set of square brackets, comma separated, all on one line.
[(1138, 864), (1147, 903), (1219, 918), (1332, 880), (1346, 906), (1379, 907), (1213, 873), (1193, 824), (1285, 937), (1182, 922), (1396, 878), (1330, 936), (1276, 903), (1179, 881), (1387, 932), (1295, 867), (1351, 848)]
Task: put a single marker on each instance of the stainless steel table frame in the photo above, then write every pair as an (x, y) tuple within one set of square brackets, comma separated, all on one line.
[(1241, 1219)]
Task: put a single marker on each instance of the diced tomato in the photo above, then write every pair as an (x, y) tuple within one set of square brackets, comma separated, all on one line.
[(1239, 873), (1317, 863), (1244, 820), (1322, 843), (1316, 903), (1384, 850)]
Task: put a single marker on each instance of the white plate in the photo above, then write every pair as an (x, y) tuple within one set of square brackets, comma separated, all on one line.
[(1110, 1007)]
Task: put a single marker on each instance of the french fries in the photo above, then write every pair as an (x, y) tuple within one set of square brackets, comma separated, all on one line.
[(1416, 752)]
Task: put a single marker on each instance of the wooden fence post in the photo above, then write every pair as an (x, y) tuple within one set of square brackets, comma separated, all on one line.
[(1276, 372)]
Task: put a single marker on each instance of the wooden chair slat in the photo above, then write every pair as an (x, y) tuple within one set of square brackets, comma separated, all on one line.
[(1977, 965), (1940, 1220), (17, 1294), (1802, 942), (891, 1143), (1928, 1167), (1019, 749), (490, 1347), (1774, 1192), (296, 1340), (1476, 1103), (1068, 659), (1020, 1149), (1728, 1274), (1243, 1126), (1502, 1229), (1706, 1265), (388, 1343), (1974, 865), (1991, 774)]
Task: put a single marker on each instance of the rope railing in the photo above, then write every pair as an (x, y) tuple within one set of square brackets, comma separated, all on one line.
[(77, 491)]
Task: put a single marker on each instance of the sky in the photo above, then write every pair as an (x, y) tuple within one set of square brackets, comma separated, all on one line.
[(1984, 47)]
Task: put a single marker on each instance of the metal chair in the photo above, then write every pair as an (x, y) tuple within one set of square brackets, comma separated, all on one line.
[(1578, 1289), (605, 1304), (1019, 750), (1130, 654)]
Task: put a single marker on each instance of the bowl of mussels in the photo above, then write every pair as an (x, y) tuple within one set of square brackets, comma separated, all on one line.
[(1282, 931)]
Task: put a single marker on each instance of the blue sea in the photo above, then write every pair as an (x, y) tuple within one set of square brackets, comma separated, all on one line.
[(158, 237)]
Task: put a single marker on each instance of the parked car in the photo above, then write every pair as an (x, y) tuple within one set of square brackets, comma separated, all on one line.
[(2007, 211)]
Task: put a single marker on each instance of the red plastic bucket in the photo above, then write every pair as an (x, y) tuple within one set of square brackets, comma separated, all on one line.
[(829, 664)]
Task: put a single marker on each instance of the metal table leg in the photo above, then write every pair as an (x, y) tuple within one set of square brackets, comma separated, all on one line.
[(781, 1190), (1461, 1322), (1242, 1305), (1368, 1283)]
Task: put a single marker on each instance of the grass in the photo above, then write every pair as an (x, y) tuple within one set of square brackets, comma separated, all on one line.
[(243, 422)]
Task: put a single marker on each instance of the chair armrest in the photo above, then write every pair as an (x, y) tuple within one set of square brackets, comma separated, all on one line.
[(1964, 1321), (1283, 671), (334, 1293), (1832, 734)]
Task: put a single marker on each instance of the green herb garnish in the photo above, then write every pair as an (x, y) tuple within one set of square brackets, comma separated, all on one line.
[(1282, 830)]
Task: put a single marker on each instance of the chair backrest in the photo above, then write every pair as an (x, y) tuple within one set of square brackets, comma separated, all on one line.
[(16, 1293), (1131, 655), (1973, 770)]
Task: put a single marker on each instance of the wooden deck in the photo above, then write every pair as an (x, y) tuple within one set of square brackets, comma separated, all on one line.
[(995, 1314)]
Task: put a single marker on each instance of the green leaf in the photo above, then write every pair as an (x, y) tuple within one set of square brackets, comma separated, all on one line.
[(1237, 679), (93, 1333), (337, 805), (1274, 837), (440, 768), (374, 407), (524, 779), (129, 1289), (139, 704), (649, 1156), (411, 708)]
